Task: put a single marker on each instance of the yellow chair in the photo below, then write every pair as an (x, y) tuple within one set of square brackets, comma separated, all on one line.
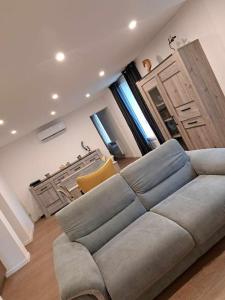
[(89, 181)]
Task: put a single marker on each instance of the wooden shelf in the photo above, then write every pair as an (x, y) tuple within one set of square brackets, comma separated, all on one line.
[(176, 136)]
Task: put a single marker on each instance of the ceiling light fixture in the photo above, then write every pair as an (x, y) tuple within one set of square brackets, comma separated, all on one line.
[(60, 56), (87, 95), (55, 96), (101, 73), (2, 122), (53, 113), (132, 25), (13, 132)]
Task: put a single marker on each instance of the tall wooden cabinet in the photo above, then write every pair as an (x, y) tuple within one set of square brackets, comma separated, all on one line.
[(186, 100)]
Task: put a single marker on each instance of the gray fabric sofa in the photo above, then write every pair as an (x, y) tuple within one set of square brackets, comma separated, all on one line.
[(131, 236)]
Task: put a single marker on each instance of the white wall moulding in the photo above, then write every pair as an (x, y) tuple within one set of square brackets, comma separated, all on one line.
[(13, 254)]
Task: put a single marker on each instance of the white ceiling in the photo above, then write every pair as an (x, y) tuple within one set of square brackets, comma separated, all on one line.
[(93, 34)]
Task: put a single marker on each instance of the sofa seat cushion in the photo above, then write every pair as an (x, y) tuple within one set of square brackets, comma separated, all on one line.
[(199, 206), (141, 254)]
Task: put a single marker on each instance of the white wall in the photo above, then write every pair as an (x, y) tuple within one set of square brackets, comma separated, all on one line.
[(15, 214), (27, 160), (197, 19), (12, 252)]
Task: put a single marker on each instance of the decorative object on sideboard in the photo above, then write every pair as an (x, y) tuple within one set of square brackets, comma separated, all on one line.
[(86, 148), (62, 167), (171, 39), (47, 175), (147, 64)]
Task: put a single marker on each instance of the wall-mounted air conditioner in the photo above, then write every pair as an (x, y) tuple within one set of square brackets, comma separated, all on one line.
[(51, 130)]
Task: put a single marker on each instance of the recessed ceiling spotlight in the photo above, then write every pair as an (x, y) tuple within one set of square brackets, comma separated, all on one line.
[(53, 113), (55, 96), (13, 132), (60, 56), (101, 73), (87, 95), (132, 25), (2, 122)]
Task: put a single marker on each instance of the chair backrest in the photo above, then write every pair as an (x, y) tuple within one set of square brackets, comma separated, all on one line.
[(63, 191), (159, 173), (100, 214), (89, 181)]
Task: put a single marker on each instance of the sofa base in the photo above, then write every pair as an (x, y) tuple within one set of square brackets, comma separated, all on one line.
[(173, 274)]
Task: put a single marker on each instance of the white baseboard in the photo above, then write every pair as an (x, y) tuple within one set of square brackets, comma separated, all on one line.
[(18, 266), (29, 239)]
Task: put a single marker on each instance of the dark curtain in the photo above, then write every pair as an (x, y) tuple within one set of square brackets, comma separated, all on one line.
[(132, 75), (142, 144)]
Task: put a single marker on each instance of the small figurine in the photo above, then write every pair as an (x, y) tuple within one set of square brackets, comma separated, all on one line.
[(171, 39), (147, 64), (87, 148)]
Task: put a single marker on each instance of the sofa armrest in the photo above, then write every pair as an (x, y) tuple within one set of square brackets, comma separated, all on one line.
[(77, 273), (208, 161)]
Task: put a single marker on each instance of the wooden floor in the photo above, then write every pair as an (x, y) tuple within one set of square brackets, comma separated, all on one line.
[(36, 281)]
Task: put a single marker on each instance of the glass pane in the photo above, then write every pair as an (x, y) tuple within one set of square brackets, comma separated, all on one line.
[(165, 115)]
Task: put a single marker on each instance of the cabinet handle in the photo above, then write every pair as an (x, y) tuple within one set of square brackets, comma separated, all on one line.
[(191, 123), (185, 109), (76, 169)]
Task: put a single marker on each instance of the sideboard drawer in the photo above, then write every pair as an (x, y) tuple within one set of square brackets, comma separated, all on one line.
[(187, 111), (194, 122), (76, 167), (58, 178), (91, 158)]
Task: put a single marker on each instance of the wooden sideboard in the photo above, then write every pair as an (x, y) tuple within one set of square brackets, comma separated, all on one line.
[(45, 192), (185, 99)]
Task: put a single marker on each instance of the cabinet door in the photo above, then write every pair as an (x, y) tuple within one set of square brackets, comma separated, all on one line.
[(162, 112), (177, 86), (184, 99), (48, 195)]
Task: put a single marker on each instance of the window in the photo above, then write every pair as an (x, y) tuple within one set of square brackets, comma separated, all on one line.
[(135, 111)]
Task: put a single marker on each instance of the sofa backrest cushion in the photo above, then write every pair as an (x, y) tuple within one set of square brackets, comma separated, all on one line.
[(101, 213), (159, 173)]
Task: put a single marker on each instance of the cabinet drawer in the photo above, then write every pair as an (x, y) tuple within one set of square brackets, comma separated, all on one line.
[(91, 158), (76, 167), (42, 188), (57, 179), (187, 111), (194, 122)]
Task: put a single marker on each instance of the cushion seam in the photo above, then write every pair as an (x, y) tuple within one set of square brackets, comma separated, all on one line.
[(177, 223)]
